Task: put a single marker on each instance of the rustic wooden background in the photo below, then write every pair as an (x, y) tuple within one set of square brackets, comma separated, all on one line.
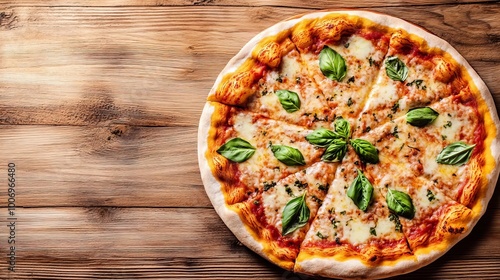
[(99, 107)]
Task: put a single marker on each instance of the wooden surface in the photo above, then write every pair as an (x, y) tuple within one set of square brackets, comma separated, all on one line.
[(99, 107)]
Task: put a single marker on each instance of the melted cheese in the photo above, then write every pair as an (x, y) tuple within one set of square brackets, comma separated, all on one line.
[(357, 232), (383, 93), (450, 126), (245, 127), (385, 227), (360, 48), (422, 199), (274, 201), (290, 67)]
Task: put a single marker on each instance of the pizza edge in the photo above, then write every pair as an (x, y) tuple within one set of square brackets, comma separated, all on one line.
[(351, 268)]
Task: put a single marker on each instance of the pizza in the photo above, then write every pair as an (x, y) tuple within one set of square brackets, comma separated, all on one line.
[(349, 144)]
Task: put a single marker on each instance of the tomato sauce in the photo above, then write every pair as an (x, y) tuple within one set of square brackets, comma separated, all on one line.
[(283, 241), (480, 131), (373, 35), (426, 228)]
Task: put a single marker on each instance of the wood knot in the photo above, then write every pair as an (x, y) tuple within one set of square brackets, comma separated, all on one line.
[(8, 20), (118, 131), (101, 214)]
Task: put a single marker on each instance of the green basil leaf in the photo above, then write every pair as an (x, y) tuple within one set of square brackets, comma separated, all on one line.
[(322, 137), (237, 150), (421, 116), (288, 155), (400, 203), (365, 150), (295, 215), (396, 69), (361, 191), (332, 64), (457, 153), (343, 128), (289, 100), (336, 151)]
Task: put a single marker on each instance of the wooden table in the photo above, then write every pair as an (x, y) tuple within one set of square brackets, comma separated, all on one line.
[(99, 107)]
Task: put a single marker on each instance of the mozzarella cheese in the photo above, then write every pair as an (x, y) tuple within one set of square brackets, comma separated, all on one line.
[(360, 48), (382, 94), (358, 232)]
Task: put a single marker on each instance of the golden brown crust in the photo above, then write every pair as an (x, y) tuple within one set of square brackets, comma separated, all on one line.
[(332, 29), (236, 85), (302, 35), (445, 71), (284, 256), (221, 168), (369, 255), (454, 220), (473, 183)]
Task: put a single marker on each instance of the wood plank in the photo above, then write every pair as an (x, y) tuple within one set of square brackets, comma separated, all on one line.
[(119, 243), (155, 66), (103, 166), (316, 4)]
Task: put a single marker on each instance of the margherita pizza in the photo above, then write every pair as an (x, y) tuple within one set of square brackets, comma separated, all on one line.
[(349, 144)]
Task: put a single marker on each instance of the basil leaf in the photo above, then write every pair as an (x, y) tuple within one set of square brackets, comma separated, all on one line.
[(457, 153), (361, 191), (396, 69), (289, 100), (295, 215), (400, 203), (336, 151), (288, 155), (322, 137), (421, 116), (237, 150), (343, 128), (365, 150), (332, 64)]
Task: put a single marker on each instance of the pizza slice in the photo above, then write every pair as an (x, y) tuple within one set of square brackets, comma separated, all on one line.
[(276, 87), (354, 233), (431, 221), (412, 75), (247, 151), (287, 93), (456, 160), (343, 59), (443, 142), (278, 215)]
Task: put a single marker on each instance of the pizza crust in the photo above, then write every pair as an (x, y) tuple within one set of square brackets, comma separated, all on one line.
[(328, 266), (353, 268)]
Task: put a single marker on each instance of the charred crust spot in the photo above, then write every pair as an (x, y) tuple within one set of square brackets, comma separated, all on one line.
[(453, 230)]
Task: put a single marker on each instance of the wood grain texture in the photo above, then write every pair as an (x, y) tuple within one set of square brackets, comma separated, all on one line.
[(99, 108), (154, 67), (313, 4), (103, 166)]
